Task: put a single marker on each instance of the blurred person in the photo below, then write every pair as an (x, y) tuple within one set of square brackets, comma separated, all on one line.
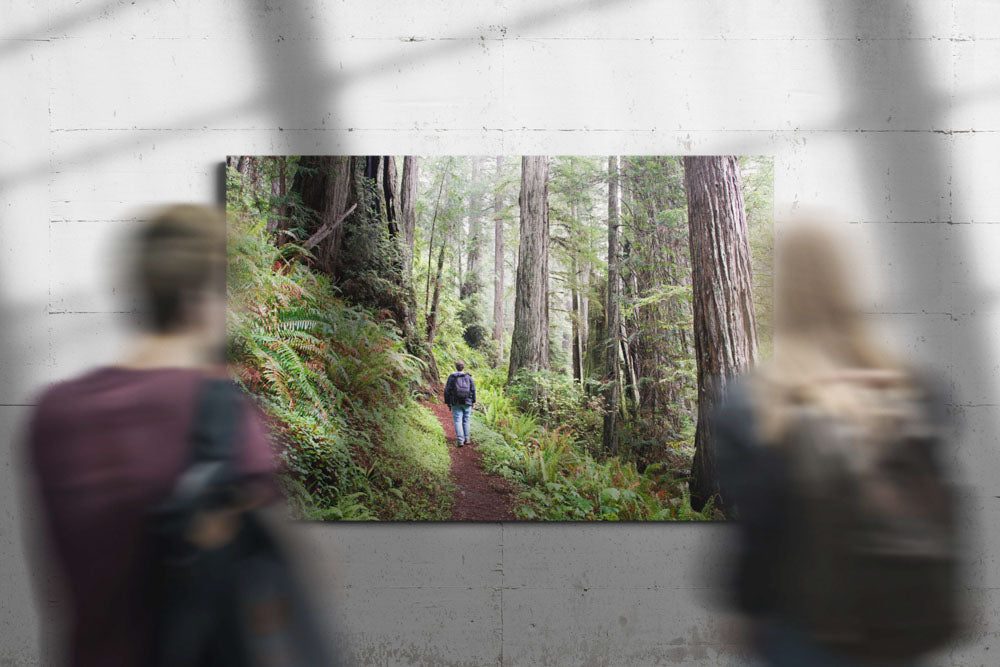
[(460, 396), (831, 454), (147, 470)]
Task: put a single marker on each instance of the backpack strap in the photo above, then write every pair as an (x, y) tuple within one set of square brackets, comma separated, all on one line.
[(211, 473), (213, 437)]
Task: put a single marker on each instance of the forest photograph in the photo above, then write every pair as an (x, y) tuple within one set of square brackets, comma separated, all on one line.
[(497, 338)]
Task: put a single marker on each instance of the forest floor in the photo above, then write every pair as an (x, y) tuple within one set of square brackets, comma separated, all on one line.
[(479, 497)]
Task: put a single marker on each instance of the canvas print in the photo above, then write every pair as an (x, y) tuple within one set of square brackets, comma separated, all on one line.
[(497, 338)]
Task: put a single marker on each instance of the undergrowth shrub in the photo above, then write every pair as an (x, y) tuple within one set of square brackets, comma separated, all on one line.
[(330, 378), (560, 477), (499, 455), (559, 401)]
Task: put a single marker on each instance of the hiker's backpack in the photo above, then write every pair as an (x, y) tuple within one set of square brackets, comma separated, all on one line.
[(238, 604), (463, 386), (873, 554)]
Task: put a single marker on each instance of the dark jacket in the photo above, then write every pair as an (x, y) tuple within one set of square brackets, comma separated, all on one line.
[(449, 390)]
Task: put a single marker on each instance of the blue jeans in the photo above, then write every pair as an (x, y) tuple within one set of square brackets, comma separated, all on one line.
[(461, 414)]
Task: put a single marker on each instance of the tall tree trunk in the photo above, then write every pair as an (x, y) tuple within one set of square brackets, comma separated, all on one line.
[(455, 242), (430, 244), (283, 186), (323, 185), (613, 313), (391, 197), (274, 213), (574, 316), (629, 289), (498, 262), (583, 322), (530, 341), (725, 331), (279, 191), (408, 209), (473, 281), (631, 376), (432, 314)]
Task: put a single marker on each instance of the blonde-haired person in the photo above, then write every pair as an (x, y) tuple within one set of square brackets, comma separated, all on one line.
[(803, 443)]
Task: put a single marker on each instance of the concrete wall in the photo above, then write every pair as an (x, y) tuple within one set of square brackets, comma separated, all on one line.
[(886, 109)]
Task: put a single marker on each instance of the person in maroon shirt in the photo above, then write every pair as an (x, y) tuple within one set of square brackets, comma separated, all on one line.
[(109, 446)]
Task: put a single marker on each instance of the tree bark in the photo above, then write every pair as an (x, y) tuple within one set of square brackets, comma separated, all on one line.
[(583, 323), (279, 191), (473, 281), (274, 214), (391, 197), (408, 209), (498, 262), (283, 186), (613, 313), (724, 326), (530, 341), (432, 314), (323, 184), (574, 316), (430, 244), (326, 229)]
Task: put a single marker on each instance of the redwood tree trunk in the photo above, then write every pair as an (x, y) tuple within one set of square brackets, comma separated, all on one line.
[(583, 319), (530, 341), (390, 194), (323, 184), (430, 244), (408, 209), (498, 263), (613, 314), (725, 331), (574, 313), (432, 314), (275, 214), (473, 281)]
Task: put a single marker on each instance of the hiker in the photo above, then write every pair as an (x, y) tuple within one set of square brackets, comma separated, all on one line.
[(829, 457), (108, 450), (460, 396)]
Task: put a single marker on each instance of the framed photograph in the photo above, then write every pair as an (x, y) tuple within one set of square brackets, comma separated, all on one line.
[(497, 338)]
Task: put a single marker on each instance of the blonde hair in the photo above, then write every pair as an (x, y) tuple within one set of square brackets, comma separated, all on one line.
[(179, 253), (825, 353)]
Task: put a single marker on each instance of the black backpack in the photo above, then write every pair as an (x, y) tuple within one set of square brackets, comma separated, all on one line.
[(873, 557), (463, 386), (239, 604)]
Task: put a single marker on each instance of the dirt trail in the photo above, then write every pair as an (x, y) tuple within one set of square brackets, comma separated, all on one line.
[(480, 497)]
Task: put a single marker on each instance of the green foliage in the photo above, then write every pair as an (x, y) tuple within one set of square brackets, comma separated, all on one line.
[(571, 485), (415, 434), (331, 380), (558, 400), (450, 347), (560, 479), (303, 505), (500, 455)]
